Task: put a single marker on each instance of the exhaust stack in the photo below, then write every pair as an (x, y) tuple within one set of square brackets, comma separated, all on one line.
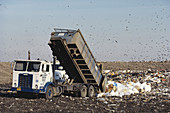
[(29, 55)]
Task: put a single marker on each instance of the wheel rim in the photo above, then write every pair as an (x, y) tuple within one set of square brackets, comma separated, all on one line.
[(49, 93), (84, 91), (91, 91)]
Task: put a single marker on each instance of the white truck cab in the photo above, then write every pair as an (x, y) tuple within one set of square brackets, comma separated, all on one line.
[(35, 75)]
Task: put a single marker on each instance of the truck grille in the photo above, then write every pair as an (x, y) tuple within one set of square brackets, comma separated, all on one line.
[(25, 81)]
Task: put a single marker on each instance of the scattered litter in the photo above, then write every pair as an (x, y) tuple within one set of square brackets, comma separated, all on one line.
[(101, 99), (128, 82)]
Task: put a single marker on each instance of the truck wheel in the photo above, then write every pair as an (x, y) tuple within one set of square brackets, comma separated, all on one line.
[(91, 91), (58, 91), (49, 93), (83, 91)]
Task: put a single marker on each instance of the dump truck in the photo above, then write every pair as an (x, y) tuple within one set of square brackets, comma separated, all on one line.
[(71, 49), (73, 70)]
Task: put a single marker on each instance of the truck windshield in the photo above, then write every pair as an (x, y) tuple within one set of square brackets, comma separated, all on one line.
[(34, 66), (20, 66)]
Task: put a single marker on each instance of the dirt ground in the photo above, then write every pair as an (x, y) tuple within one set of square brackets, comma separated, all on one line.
[(26, 103), (16, 103), (5, 73), (136, 65)]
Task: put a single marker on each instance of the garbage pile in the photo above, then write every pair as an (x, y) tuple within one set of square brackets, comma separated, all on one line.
[(130, 82)]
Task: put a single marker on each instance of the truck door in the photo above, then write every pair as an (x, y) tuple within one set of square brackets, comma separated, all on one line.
[(45, 74)]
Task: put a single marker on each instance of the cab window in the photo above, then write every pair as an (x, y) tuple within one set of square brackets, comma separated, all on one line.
[(20, 66), (42, 68), (34, 66), (47, 68)]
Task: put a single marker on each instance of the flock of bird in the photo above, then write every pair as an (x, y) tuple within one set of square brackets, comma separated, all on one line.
[(105, 44)]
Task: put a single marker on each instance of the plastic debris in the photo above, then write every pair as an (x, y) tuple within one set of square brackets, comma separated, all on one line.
[(121, 83)]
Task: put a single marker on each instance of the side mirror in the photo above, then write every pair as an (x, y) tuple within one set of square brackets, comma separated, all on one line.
[(43, 69), (12, 65)]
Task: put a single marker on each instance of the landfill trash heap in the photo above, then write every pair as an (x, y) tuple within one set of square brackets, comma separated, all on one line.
[(130, 82)]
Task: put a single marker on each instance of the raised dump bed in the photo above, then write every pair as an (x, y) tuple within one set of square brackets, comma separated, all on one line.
[(75, 56)]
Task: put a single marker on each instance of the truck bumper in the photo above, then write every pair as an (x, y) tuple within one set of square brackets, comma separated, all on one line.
[(13, 89)]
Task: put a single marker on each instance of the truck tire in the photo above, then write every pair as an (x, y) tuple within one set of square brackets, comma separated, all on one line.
[(83, 91), (91, 91), (49, 93), (58, 91)]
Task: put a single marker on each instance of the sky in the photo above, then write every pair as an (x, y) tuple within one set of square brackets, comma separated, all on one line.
[(115, 30)]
